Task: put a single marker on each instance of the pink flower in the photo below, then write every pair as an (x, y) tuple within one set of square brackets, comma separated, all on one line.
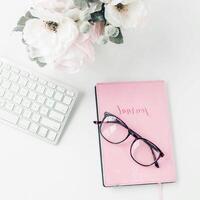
[(81, 52)]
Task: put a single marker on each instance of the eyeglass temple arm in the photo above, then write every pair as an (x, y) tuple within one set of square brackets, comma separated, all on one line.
[(154, 156), (97, 122)]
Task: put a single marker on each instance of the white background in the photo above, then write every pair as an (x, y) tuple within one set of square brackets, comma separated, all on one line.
[(168, 48)]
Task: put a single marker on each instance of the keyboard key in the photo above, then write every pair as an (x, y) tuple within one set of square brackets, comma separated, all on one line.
[(6, 66), (61, 107), (50, 103), (23, 92), (42, 132), (17, 109), (33, 127), (17, 99), (6, 84), (2, 91), (52, 135), (67, 100), (8, 95), (22, 81), (56, 116), (50, 123), (33, 77), (70, 93), (5, 74), (36, 117), (49, 92), (2, 102), (31, 85), (9, 106), (26, 103), (14, 77), (58, 96), (27, 113), (60, 89), (44, 110), (14, 88), (32, 95), (40, 88), (35, 107), (24, 123), (41, 99)]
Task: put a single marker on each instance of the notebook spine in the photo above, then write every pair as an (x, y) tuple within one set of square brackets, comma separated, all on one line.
[(100, 149)]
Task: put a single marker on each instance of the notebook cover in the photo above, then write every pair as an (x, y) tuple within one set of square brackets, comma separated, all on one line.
[(143, 106)]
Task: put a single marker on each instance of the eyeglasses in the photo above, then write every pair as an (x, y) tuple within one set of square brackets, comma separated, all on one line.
[(115, 131)]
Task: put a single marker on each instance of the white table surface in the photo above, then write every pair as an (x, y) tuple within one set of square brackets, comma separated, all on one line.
[(168, 48)]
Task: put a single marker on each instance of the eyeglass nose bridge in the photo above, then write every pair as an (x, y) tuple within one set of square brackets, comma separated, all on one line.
[(134, 134)]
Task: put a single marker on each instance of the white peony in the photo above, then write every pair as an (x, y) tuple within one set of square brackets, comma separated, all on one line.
[(49, 35), (66, 7), (54, 5), (124, 13)]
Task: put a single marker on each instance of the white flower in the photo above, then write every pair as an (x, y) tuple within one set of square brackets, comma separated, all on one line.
[(66, 7), (49, 35), (54, 5), (125, 13), (85, 27)]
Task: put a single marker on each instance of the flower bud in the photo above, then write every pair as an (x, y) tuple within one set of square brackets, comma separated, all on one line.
[(85, 27), (111, 31), (102, 40)]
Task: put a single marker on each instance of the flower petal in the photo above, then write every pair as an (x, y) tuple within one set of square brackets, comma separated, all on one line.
[(113, 16), (130, 17), (37, 35), (67, 32), (77, 56)]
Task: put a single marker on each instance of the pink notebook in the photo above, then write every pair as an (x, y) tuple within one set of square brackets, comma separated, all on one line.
[(143, 106)]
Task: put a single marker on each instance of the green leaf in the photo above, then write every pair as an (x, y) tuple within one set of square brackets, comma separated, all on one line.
[(40, 63), (23, 41), (22, 21), (81, 3), (28, 15), (18, 28), (98, 16), (117, 40)]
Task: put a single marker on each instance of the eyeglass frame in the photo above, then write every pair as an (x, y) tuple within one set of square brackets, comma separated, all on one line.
[(135, 135)]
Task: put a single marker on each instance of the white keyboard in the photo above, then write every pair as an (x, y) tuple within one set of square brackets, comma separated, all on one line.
[(36, 105)]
